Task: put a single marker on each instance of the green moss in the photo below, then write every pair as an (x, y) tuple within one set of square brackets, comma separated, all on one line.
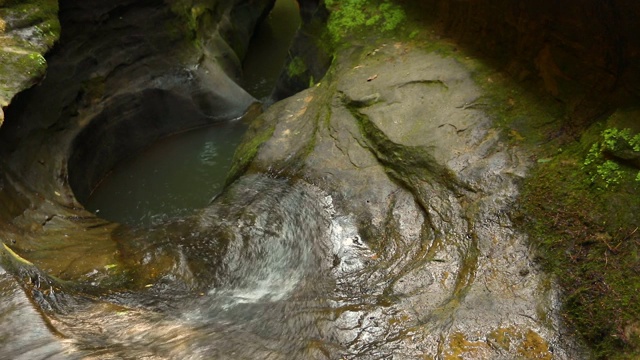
[(584, 235), (356, 16), (589, 239), (296, 67), (41, 15), (189, 14), (408, 164), (604, 161), (30, 12), (257, 134), (19, 70), (21, 58)]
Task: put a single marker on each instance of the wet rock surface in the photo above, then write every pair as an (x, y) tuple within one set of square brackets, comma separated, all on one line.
[(369, 217), (27, 31), (125, 74), (395, 134)]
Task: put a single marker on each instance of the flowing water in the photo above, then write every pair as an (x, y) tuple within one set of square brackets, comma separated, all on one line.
[(270, 269), (255, 275)]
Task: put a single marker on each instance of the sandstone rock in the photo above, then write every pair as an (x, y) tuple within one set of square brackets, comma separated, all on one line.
[(395, 136)]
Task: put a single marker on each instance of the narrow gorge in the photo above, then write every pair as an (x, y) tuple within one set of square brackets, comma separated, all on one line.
[(372, 180)]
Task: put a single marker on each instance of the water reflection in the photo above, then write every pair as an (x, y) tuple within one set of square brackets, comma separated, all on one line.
[(170, 178), (183, 172)]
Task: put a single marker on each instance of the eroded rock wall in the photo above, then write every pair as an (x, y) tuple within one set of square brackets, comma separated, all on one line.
[(143, 68), (124, 73)]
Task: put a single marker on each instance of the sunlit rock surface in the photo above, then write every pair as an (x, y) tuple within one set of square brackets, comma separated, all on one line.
[(399, 138)]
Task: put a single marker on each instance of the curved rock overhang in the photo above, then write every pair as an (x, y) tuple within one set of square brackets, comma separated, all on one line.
[(124, 74)]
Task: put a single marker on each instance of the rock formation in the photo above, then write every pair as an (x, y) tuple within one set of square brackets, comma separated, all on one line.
[(369, 216)]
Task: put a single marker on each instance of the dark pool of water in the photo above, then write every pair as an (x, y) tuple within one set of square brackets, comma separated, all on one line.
[(170, 178), (183, 172), (269, 48)]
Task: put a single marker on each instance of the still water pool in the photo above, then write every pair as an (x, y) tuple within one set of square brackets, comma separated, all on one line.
[(183, 172), (170, 178)]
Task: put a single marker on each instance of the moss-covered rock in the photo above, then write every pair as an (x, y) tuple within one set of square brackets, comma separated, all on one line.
[(28, 29), (585, 232)]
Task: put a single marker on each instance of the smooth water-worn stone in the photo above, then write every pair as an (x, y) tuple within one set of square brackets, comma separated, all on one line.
[(25, 334), (396, 137), (125, 73)]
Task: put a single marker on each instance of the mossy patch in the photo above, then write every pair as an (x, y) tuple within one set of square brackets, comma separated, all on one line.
[(29, 29), (605, 162), (589, 238), (296, 67), (20, 69), (357, 16), (257, 134), (40, 17), (533, 346), (189, 14), (459, 347)]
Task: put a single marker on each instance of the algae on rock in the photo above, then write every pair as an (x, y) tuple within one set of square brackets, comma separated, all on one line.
[(28, 29)]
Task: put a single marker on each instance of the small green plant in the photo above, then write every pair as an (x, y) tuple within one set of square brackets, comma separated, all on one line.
[(37, 58), (353, 15), (296, 67), (600, 161), (392, 14), (615, 139), (610, 172)]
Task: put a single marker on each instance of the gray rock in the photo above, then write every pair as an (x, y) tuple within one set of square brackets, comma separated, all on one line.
[(398, 138)]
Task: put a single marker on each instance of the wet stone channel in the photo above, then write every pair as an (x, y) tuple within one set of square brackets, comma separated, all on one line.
[(363, 219), (185, 171)]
